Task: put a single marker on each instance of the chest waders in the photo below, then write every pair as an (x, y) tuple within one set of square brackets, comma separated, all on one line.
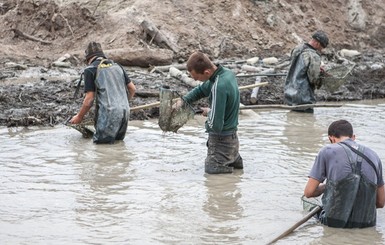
[(350, 202), (298, 89), (112, 107)]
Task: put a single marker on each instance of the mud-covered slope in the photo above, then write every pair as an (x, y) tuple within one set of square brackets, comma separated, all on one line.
[(35, 33), (226, 28)]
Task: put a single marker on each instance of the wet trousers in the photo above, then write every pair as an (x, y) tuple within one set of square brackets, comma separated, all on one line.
[(223, 153)]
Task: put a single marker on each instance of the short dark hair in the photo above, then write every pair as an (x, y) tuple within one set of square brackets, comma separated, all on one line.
[(199, 62), (340, 128)]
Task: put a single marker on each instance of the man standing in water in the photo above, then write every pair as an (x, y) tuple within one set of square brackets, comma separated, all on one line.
[(221, 88), (355, 185), (304, 72), (109, 84)]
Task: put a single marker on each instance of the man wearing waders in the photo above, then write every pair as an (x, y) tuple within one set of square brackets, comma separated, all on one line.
[(303, 76), (354, 183), (221, 87), (107, 83)]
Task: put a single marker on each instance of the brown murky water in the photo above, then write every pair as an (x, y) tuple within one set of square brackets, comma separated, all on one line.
[(57, 188)]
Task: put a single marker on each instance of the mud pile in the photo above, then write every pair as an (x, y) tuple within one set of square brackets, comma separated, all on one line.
[(36, 33), (33, 30), (223, 29)]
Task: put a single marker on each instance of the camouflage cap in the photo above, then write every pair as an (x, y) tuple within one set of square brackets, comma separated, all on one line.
[(322, 38), (94, 49)]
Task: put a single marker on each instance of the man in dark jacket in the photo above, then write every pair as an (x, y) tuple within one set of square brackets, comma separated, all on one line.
[(304, 72), (107, 83)]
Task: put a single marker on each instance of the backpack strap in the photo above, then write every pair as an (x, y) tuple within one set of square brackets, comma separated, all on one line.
[(355, 163), (362, 155), (103, 63), (78, 85)]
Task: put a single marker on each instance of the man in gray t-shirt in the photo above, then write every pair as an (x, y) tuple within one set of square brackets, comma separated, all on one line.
[(354, 185)]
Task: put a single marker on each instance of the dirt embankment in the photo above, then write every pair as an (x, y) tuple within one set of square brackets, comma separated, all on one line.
[(36, 34)]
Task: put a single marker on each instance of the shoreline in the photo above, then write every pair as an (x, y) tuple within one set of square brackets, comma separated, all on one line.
[(45, 95)]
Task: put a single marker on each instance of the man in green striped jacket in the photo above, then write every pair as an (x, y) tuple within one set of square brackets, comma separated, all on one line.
[(221, 87)]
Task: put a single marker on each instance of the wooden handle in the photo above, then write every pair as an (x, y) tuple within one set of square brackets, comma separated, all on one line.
[(155, 104), (296, 225)]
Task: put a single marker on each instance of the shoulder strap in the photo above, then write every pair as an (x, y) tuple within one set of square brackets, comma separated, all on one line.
[(363, 156), (354, 161), (103, 63), (78, 86)]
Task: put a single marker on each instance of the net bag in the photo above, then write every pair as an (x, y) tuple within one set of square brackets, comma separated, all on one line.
[(310, 203), (334, 77), (85, 127), (170, 120)]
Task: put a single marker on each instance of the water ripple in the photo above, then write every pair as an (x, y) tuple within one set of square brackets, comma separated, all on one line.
[(58, 188)]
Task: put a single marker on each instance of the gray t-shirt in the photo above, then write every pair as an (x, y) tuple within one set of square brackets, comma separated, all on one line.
[(332, 163)]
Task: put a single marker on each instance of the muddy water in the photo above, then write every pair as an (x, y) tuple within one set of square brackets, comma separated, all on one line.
[(57, 188)]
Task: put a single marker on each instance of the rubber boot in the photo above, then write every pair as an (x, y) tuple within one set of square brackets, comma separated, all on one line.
[(218, 169), (238, 164)]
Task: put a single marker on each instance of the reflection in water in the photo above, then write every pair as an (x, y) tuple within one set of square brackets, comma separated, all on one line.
[(303, 134), (101, 203), (314, 233), (334, 236), (302, 138), (223, 208)]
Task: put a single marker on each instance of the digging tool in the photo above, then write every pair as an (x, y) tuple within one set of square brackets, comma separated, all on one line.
[(296, 225), (288, 107), (262, 75), (155, 104)]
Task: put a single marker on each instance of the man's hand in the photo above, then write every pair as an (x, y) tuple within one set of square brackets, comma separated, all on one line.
[(76, 119), (205, 111), (323, 72), (177, 105), (313, 188)]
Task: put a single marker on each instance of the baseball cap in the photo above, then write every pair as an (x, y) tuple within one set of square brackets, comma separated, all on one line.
[(322, 38)]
